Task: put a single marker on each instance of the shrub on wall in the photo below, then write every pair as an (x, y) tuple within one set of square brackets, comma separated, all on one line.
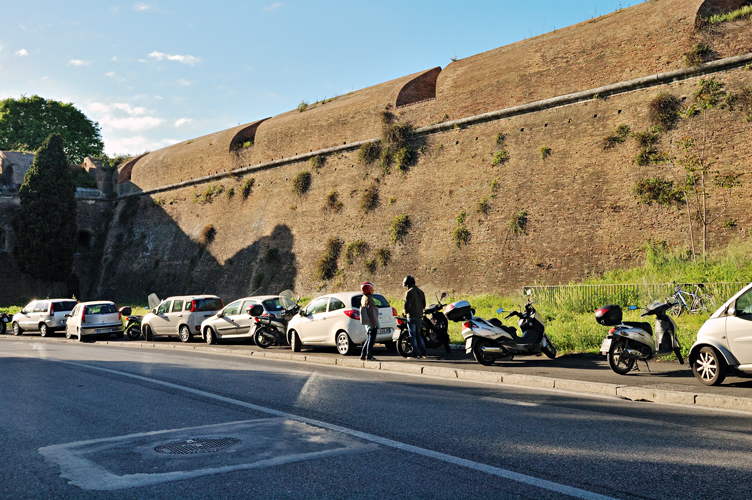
[(663, 110), (332, 202), (368, 153), (483, 207), (398, 228), (395, 141), (326, 267), (619, 136), (545, 152), (302, 106), (370, 199), (659, 190), (301, 183), (316, 162), (696, 55), (247, 187), (355, 250), (460, 234), (206, 236), (383, 255), (518, 223), (403, 158)]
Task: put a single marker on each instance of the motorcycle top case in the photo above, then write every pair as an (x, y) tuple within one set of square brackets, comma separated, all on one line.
[(609, 315), (458, 311)]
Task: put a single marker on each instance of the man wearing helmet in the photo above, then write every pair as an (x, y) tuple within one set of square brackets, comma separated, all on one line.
[(415, 303), (369, 316)]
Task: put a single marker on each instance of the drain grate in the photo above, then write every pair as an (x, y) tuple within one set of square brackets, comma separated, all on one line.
[(198, 445)]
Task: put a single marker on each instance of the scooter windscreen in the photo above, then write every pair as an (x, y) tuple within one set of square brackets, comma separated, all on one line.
[(287, 300)]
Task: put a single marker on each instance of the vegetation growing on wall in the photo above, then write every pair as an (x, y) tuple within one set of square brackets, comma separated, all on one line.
[(326, 267), (659, 190), (501, 155), (355, 250), (518, 223), (646, 141), (545, 152), (368, 153), (663, 111), (483, 206), (395, 143), (383, 255), (301, 183), (619, 136), (370, 199), (247, 187), (741, 13), (697, 55), (302, 106), (460, 234), (316, 162), (208, 195), (332, 202), (398, 228), (206, 236)]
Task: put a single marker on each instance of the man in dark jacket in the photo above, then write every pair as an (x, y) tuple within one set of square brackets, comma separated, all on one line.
[(369, 316), (415, 303)]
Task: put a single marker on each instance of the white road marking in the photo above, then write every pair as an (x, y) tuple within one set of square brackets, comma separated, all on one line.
[(450, 459), (509, 401)]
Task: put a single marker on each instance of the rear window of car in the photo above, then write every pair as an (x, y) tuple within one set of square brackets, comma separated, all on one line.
[(378, 299), (272, 305), (66, 306), (41, 306), (203, 305), (100, 309)]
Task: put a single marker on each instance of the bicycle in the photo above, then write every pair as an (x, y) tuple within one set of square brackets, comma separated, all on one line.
[(693, 302)]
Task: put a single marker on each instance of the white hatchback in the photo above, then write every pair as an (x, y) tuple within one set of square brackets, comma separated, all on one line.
[(334, 320), (94, 318), (234, 322)]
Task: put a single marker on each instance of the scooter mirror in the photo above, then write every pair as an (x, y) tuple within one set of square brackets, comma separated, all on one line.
[(443, 294), (528, 292), (632, 308), (499, 310)]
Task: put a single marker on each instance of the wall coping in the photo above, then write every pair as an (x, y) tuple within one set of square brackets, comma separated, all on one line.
[(554, 102)]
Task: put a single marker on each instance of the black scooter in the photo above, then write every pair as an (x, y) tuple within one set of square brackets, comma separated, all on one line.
[(273, 331), (434, 329)]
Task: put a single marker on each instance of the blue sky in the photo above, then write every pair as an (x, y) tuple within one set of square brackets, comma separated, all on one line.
[(154, 73)]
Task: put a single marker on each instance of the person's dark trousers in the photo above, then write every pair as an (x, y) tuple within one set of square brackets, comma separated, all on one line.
[(367, 351), (416, 339)]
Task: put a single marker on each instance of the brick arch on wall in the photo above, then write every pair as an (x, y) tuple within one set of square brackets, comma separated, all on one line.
[(124, 174), (420, 88), (245, 135), (713, 7)]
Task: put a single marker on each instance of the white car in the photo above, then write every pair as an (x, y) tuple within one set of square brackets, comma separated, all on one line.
[(179, 316), (724, 342), (234, 322), (334, 320), (94, 318), (44, 316)]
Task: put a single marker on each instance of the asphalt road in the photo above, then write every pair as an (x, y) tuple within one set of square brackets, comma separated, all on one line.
[(91, 421)]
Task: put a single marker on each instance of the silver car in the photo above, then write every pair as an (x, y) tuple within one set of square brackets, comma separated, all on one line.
[(94, 318), (724, 341), (44, 316), (234, 322), (180, 316)]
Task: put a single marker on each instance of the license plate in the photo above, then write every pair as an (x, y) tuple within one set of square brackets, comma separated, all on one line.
[(606, 345), (103, 330), (385, 331)]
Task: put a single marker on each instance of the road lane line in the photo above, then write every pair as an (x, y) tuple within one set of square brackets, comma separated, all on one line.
[(450, 459)]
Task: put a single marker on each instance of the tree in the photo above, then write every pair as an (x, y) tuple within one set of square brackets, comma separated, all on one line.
[(45, 224), (26, 123)]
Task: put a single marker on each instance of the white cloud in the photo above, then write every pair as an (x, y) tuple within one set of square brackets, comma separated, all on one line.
[(114, 58), (183, 121), (21, 53), (160, 56), (142, 7), (114, 76), (183, 82), (106, 115), (78, 62), (273, 7), (135, 145)]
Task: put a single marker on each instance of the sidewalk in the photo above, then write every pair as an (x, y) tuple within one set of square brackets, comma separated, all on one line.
[(667, 382)]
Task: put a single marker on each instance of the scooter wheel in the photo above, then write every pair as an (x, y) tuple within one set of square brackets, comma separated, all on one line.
[(618, 364), (480, 356)]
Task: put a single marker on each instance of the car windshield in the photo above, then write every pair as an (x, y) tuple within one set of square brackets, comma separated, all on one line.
[(100, 309), (68, 305), (272, 305), (379, 299), (203, 305)]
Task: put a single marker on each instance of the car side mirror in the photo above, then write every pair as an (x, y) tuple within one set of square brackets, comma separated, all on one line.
[(67, 315), (154, 311), (731, 311), (126, 311)]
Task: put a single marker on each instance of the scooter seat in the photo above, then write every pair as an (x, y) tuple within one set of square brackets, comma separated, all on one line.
[(495, 322), (641, 325)]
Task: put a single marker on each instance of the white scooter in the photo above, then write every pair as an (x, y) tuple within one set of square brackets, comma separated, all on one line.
[(489, 339), (630, 341)]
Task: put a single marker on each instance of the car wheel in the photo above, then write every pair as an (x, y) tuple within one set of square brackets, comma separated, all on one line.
[(147, 333), (480, 356), (210, 336), (17, 329), (709, 367), (404, 347), (295, 341), (44, 330), (344, 343), (616, 362), (390, 345), (80, 336), (185, 334)]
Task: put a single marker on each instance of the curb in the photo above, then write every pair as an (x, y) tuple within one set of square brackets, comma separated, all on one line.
[(631, 393)]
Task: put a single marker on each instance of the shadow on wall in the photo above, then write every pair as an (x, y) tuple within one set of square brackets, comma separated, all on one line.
[(147, 252)]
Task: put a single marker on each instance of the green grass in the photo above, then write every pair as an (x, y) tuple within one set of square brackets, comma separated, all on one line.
[(730, 16)]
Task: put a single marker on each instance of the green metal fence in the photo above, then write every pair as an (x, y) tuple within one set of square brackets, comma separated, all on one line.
[(588, 298)]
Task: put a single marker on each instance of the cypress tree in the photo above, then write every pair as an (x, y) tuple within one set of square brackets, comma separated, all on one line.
[(45, 224)]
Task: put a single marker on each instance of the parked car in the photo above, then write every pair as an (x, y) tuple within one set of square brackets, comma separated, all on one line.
[(43, 316), (94, 318), (234, 322), (334, 320), (180, 316), (724, 342)]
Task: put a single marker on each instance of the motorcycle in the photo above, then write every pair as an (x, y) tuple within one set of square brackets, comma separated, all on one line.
[(132, 324), (434, 329), (5, 320), (269, 331), (489, 339), (631, 341)]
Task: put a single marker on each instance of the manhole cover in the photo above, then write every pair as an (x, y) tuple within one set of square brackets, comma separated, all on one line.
[(198, 445)]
